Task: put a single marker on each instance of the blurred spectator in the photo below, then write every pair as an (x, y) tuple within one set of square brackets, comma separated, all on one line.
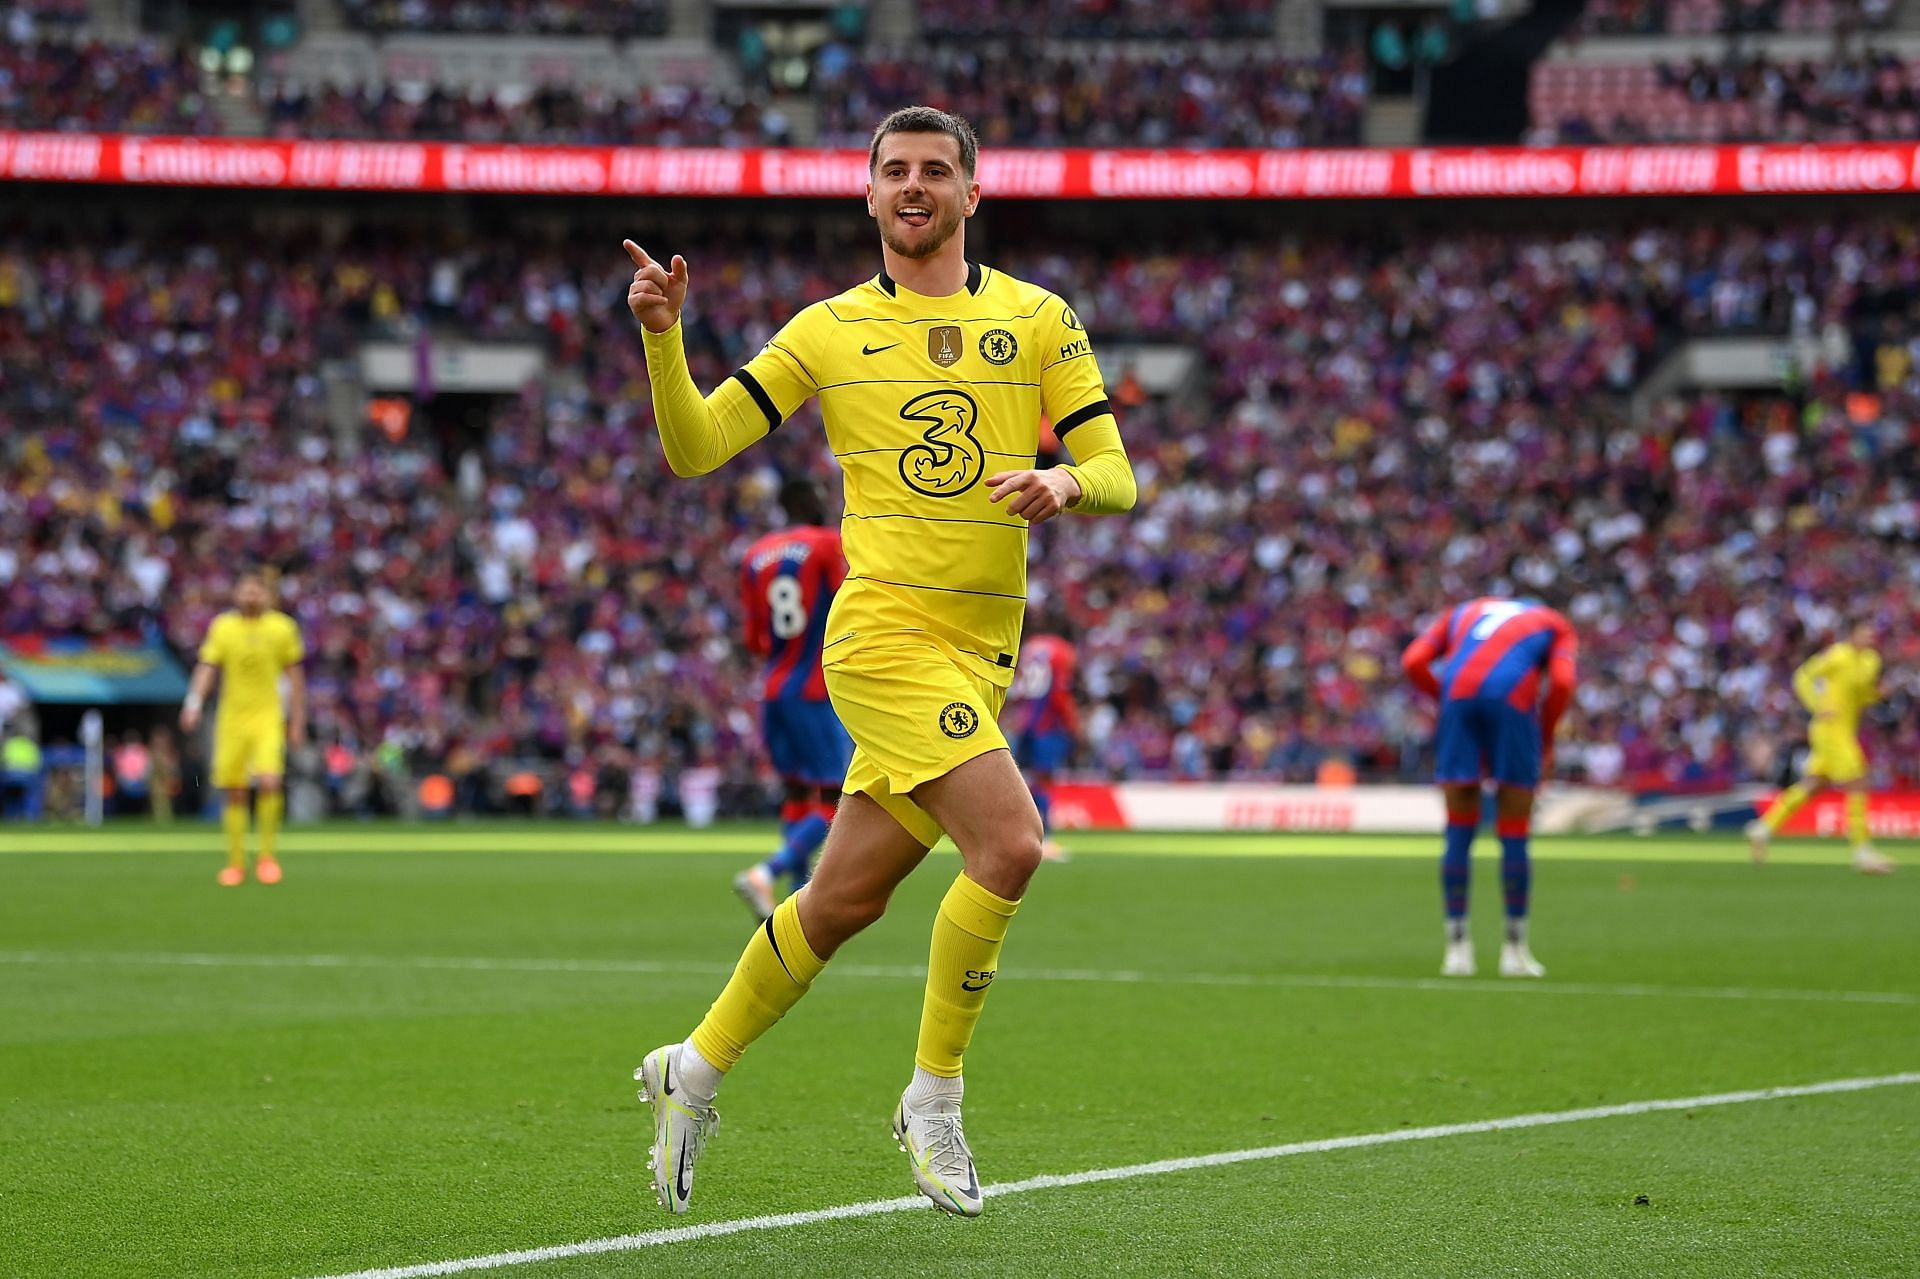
[(132, 769), (22, 778)]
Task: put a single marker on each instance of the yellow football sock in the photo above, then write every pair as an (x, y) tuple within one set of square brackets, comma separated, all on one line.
[(233, 819), (960, 966), (1857, 818), (269, 808), (1786, 805), (772, 974)]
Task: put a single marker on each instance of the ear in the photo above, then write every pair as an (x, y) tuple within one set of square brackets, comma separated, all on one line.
[(871, 212), (973, 198)]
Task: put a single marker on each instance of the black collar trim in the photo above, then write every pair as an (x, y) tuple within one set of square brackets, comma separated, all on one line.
[(976, 276)]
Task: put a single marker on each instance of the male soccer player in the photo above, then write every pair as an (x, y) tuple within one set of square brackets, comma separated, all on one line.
[(1495, 724), (1836, 685), (1044, 720), (250, 647), (787, 584), (933, 377)]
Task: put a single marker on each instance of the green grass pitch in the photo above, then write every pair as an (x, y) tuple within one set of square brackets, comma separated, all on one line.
[(418, 1048)]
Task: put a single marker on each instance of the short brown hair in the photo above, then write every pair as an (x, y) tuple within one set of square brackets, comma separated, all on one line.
[(928, 120)]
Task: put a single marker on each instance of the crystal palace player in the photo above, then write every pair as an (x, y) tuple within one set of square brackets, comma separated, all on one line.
[(1494, 723), (787, 583), (933, 377), (1044, 720)]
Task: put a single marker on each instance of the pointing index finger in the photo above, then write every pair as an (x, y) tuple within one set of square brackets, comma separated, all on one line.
[(638, 254)]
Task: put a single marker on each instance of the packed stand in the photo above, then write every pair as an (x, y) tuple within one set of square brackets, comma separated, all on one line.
[(22, 19), (1734, 17), (545, 617), (1098, 19), (143, 87), (510, 17), (1019, 97), (665, 116), (1867, 98)]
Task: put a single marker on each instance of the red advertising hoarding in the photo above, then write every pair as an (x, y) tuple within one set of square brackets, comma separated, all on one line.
[(1079, 174)]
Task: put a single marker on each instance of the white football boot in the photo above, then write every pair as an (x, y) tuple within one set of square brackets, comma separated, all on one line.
[(1758, 837), (1517, 961), (937, 1153), (1869, 862), (1459, 960), (755, 887), (680, 1129)]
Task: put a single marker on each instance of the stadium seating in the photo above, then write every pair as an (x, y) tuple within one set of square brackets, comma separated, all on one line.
[(1383, 431), (1871, 97), (511, 17), (1098, 19)]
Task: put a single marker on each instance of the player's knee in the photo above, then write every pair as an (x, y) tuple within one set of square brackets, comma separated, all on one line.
[(1004, 863), (836, 916)]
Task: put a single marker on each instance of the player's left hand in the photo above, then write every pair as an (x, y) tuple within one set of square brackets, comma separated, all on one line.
[(1038, 496)]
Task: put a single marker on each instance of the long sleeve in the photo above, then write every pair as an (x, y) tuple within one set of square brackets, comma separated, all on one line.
[(1102, 468), (700, 434), (1806, 681)]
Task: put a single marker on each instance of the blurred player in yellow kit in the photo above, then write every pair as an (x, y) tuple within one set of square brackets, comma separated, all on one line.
[(1836, 685), (250, 647)]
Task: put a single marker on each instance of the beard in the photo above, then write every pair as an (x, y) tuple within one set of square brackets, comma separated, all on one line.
[(939, 231)]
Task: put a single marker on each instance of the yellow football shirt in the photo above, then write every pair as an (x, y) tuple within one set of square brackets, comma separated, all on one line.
[(252, 654), (1839, 683), (923, 398)]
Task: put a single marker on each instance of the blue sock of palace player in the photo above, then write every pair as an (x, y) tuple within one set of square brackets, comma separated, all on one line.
[(1043, 800), (795, 857), (1516, 873), (1456, 868)]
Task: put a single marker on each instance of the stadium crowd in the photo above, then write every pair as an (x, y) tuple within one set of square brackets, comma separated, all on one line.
[(1098, 19), (143, 86), (1024, 97), (1380, 432), (589, 116), (1867, 97), (510, 17), (1015, 95)]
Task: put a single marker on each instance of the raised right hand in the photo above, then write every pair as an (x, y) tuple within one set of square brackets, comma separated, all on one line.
[(657, 292)]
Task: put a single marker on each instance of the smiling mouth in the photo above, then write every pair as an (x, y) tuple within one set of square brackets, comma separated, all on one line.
[(914, 214)]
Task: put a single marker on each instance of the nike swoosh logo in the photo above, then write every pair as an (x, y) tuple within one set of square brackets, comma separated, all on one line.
[(967, 985), (680, 1184), (875, 350), (666, 1078)]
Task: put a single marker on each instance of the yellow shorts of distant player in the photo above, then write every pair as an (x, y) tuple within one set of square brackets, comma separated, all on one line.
[(915, 713), (1835, 754), (248, 748)]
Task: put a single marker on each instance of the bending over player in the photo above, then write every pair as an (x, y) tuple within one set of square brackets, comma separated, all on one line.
[(1836, 685), (250, 647), (1494, 724), (787, 584), (933, 377)]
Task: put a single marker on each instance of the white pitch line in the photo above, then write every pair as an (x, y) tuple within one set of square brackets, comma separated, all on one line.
[(904, 972), (1127, 1172)]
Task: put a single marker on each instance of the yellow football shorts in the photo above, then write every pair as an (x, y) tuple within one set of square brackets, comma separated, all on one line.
[(914, 713), (248, 748), (1835, 753)]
